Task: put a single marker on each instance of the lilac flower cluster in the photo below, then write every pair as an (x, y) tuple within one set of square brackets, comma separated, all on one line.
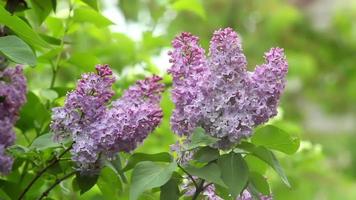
[(209, 193), (218, 93), (100, 130), (12, 97)]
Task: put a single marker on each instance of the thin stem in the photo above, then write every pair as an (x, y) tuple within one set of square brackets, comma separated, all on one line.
[(40, 173), (198, 190), (55, 65), (189, 175), (58, 181)]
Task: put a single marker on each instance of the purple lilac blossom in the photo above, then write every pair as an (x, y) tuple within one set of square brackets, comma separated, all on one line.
[(99, 129), (209, 192), (218, 93), (12, 96)]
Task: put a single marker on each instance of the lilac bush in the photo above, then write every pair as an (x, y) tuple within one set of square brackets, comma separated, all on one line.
[(12, 96), (217, 92), (100, 129)]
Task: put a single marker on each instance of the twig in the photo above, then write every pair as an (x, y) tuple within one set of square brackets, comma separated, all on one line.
[(39, 174), (198, 190), (189, 175), (58, 181)]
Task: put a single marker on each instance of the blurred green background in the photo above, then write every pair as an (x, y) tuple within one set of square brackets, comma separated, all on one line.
[(133, 37)]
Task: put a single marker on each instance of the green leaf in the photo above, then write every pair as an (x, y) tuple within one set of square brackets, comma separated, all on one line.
[(30, 119), (194, 6), (84, 60), (91, 3), (138, 157), (147, 175), (84, 14), (255, 164), (277, 139), (44, 141), (40, 9), (234, 172), (10, 188), (206, 154), (268, 157), (21, 28), (49, 94), (200, 138), (116, 164), (109, 183), (259, 182), (85, 182), (17, 50), (210, 172), (170, 190)]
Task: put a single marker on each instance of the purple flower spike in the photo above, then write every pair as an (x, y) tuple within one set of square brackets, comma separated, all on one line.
[(100, 130), (218, 93), (12, 97)]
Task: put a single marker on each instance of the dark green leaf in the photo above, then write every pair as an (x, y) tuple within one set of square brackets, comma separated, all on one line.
[(259, 182), (21, 29), (85, 182), (170, 190), (147, 175), (210, 172), (17, 50), (277, 139), (200, 138), (30, 119), (138, 157), (206, 154), (10, 188), (234, 172)]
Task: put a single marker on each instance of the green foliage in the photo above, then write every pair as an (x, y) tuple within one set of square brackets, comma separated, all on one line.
[(234, 172), (17, 50), (199, 138), (147, 175), (277, 139)]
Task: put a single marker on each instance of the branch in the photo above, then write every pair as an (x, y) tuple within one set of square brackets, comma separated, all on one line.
[(58, 181), (198, 190), (189, 175), (40, 173)]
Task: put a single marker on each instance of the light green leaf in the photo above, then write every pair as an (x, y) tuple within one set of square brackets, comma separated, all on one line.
[(44, 141), (139, 157), (234, 172), (259, 182), (109, 183), (21, 28), (206, 154), (268, 157), (200, 138), (194, 6), (85, 14), (49, 94), (147, 175), (277, 139), (17, 50), (210, 172), (91, 3)]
